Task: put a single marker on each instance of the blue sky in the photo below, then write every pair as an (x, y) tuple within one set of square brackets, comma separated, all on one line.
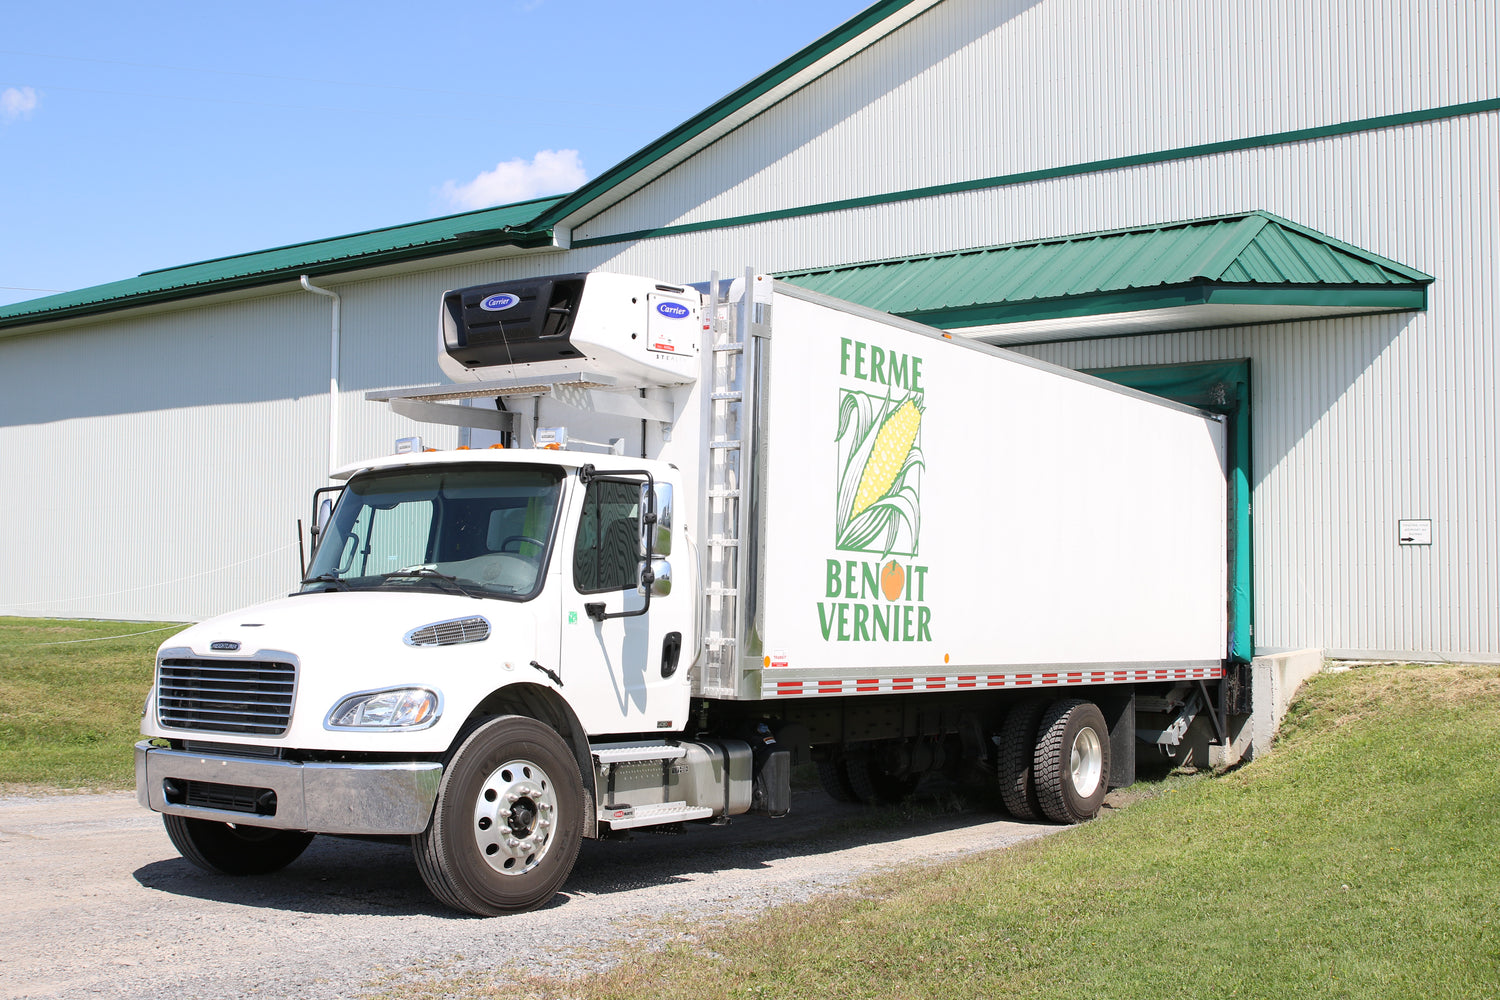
[(146, 135)]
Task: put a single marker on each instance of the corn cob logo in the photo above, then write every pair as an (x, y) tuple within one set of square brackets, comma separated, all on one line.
[(892, 445), (878, 598), (880, 482)]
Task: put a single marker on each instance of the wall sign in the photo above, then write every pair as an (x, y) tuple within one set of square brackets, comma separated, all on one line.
[(1415, 532)]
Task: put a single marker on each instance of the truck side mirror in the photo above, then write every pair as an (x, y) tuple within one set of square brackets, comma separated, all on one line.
[(660, 582), (323, 499), (659, 542), (325, 514)]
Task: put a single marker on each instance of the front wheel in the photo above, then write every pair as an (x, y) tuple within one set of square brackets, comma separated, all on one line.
[(508, 821), (237, 849)]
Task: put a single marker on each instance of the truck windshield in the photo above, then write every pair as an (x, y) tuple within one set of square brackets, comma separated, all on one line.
[(481, 531)]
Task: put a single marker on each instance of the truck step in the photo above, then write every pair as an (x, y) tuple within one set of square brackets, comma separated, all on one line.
[(721, 540), (721, 591), (728, 348), (633, 753), (625, 817), (723, 494), (724, 444), (732, 394)]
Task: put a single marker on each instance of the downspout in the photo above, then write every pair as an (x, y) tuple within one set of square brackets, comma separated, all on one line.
[(333, 374)]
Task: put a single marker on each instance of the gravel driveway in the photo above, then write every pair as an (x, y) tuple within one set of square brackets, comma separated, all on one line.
[(96, 902)]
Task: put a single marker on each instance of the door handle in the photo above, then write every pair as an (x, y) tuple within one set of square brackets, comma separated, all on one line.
[(671, 649)]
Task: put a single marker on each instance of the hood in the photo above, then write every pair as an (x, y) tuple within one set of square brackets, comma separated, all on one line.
[(304, 622), (343, 643)]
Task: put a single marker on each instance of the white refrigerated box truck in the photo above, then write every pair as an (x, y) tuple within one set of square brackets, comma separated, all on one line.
[(718, 530)]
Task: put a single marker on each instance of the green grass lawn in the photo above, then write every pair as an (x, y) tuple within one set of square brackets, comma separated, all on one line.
[(1360, 859), (72, 709)]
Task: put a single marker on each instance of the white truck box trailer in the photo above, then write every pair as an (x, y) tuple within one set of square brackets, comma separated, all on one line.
[(721, 529)]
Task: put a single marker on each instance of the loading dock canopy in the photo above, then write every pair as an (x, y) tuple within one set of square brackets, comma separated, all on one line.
[(1225, 271)]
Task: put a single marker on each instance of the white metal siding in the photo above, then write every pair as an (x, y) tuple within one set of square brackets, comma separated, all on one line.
[(983, 88), (153, 468)]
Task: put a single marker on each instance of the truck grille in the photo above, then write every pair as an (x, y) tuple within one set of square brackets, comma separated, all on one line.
[(226, 696)]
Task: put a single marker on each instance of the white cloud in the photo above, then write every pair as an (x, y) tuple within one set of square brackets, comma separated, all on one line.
[(551, 171), (16, 103)]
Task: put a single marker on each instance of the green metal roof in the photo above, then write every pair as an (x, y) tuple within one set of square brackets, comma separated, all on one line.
[(1251, 259), (505, 225)]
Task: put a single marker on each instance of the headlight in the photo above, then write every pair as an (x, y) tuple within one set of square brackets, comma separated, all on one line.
[(393, 708)]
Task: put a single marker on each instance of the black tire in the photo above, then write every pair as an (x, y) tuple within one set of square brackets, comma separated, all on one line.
[(834, 777), (1071, 765), (234, 850), (508, 822), (1014, 756), (874, 786)]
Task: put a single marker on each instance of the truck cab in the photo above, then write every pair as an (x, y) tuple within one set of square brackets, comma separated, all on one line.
[(549, 588)]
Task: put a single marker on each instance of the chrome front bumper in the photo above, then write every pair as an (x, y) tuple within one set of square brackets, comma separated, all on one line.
[(321, 798)]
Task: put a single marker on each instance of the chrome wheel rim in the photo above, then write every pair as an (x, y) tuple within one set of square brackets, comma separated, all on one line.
[(1086, 762), (514, 816)]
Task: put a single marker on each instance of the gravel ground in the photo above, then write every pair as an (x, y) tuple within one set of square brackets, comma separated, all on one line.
[(98, 903)]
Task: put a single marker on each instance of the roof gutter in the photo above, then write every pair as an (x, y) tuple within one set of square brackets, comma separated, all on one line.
[(333, 373)]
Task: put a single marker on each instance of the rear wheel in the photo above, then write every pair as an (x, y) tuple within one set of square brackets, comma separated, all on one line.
[(834, 777), (1071, 765), (508, 821), (1014, 756), (873, 785), (234, 850)]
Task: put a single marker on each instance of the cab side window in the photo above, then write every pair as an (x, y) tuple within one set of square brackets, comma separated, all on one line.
[(607, 554)]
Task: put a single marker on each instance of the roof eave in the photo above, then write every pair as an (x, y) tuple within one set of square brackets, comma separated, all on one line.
[(1144, 312), (727, 114), (1354, 298), (524, 240)]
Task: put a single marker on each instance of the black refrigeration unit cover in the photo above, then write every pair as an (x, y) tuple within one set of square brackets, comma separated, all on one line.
[(512, 322)]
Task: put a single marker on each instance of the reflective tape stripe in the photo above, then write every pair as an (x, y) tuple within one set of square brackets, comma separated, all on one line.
[(891, 685)]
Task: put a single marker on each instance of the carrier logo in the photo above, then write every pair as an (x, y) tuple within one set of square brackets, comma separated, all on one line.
[(674, 310), (500, 302), (224, 647)]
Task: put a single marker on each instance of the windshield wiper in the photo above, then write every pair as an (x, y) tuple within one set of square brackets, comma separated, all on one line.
[(428, 573), (330, 578)]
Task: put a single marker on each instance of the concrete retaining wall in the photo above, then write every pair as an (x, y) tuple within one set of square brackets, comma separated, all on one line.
[(1274, 682)]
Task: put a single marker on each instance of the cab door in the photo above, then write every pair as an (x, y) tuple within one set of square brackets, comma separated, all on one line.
[(624, 673)]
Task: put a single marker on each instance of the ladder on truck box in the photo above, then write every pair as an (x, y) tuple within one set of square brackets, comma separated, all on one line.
[(729, 504)]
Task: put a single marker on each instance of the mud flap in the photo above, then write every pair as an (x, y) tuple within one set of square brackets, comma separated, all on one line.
[(1119, 714)]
